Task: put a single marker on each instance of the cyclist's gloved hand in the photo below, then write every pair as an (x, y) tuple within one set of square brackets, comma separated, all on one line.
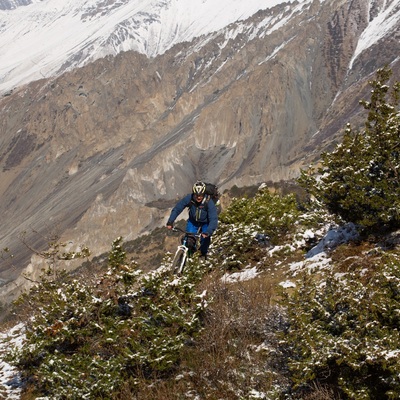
[(170, 225), (204, 234)]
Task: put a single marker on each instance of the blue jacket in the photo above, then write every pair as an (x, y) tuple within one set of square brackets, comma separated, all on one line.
[(199, 213)]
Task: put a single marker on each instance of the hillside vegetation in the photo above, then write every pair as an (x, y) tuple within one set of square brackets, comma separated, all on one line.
[(280, 310)]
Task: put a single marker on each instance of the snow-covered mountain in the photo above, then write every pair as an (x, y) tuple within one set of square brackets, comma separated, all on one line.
[(93, 146), (42, 38)]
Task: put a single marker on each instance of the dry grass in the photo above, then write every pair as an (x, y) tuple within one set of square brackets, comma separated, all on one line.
[(224, 361), (319, 392), (364, 258)]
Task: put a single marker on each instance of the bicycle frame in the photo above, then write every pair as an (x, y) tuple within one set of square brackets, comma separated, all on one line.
[(179, 260)]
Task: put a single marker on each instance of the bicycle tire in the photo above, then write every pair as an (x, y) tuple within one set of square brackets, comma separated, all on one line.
[(178, 262)]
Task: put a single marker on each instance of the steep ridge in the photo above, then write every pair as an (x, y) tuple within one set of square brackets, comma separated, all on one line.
[(45, 38), (104, 150)]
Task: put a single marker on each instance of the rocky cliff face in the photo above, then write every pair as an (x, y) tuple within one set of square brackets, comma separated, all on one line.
[(105, 150)]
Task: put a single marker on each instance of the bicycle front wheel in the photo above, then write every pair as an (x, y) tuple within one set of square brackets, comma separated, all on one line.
[(178, 262)]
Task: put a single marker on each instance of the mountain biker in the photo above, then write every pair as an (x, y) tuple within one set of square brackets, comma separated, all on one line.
[(202, 214)]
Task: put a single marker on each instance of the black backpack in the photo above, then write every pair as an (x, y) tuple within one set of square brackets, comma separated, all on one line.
[(212, 193)]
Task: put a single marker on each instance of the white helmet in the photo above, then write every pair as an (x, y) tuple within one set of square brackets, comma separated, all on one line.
[(199, 188)]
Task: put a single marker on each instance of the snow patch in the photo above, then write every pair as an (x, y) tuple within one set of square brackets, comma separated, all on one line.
[(241, 276), (334, 237), (383, 24), (10, 381)]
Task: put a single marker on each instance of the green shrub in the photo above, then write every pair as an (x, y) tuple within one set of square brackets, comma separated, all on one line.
[(360, 179), (275, 215), (344, 332), (235, 245), (91, 339)]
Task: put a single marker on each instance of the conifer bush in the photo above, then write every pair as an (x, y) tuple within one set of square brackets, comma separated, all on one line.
[(273, 214), (238, 243), (344, 332), (94, 339), (360, 179), (273, 217), (269, 215)]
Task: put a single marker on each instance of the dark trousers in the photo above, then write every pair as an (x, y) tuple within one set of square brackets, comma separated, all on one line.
[(204, 242)]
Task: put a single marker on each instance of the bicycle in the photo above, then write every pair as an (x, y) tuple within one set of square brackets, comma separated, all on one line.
[(186, 248)]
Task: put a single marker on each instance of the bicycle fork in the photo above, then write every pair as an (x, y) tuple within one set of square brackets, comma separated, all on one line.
[(179, 259)]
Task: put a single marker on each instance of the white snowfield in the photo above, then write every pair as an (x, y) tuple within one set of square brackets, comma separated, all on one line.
[(45, 37), (35, 40)]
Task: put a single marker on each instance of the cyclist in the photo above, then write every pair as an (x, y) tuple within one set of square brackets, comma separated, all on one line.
[(202, 215)]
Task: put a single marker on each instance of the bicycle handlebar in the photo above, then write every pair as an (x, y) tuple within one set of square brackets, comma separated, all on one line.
[(177, 229)]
